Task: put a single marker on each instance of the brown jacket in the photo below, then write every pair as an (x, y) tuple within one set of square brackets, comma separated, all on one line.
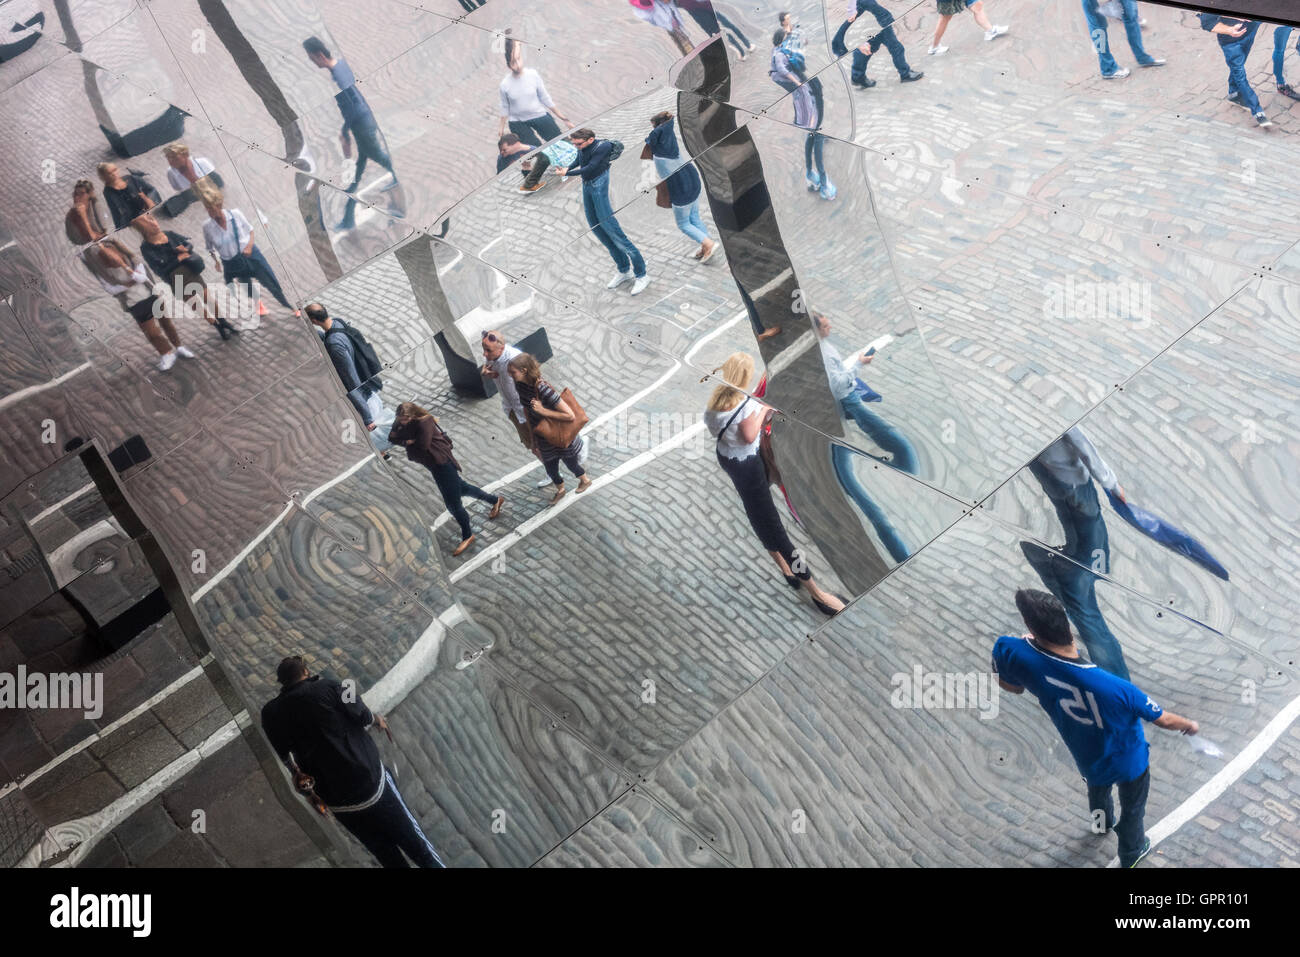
[(430, 446)]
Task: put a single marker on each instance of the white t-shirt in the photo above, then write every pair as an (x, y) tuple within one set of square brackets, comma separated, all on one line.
[(731, 445), (229, 240), (524, 97), (506, 385), (176, 178)]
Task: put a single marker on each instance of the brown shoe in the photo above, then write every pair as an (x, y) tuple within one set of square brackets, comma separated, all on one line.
[(496, 509), (584, 484), (769, 333), (559, 494), (462, 546)]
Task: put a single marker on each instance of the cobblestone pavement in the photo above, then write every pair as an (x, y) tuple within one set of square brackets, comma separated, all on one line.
[(623, 679)]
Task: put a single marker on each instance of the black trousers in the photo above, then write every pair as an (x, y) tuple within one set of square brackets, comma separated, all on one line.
[(750, 478), (370, 146), (387, 829), (453, 487), (528, 131)]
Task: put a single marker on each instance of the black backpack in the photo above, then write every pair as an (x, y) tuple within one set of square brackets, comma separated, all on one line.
[(365, 357), (615, 149)]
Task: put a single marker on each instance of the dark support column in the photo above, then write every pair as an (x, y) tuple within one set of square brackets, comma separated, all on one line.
[(746, 220)]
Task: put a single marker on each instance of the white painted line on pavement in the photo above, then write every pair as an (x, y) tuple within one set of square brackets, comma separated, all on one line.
[(1234, 769), (46, 513), (414, 666), (15, 397)]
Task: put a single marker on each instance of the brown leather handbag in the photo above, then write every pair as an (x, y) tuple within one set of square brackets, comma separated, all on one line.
[(765, 451), (561, 434), (662, 199)]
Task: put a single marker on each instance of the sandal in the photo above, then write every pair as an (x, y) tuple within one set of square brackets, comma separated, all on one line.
[(558, 495), (496, 509), (584, 485)]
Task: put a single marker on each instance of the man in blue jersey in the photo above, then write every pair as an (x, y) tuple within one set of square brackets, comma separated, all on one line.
[(1097, 714)]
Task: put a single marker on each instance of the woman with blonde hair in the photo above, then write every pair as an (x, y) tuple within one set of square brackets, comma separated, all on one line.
[(229, 237), (735, 419), (125, 277), (426, 443), (541, 401)]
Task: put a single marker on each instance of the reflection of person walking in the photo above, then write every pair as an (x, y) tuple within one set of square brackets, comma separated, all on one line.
[(318, 729), (125, 277), (864, 52), (1110, 70), (949, 9), (426, 443), (1097, 715), (1065, 470), (525, 104), (683, 182), (497, 354), (786, 70), (359, 124), (735, 420), (172, 257), (229, 237), (594, 157), (542, 402), (1236, 37)]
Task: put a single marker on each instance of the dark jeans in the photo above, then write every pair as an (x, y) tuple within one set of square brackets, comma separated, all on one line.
[(709, 21), (751, 310), (528, 131), (387, 829), (253, 266), (1281, 34), (749, 476), (552, 457), (1074, 582), (453, 487), (842, 460), (600, 217), (1235, 54), (1101, 38), (370, 146), (886, 38), (887, 436), (1130, 829)]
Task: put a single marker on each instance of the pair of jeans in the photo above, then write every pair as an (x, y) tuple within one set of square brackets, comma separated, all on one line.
[(887, 39), (887, 436), (370, 146), (1281, 34), (712, 21), (600, 217), (1131, 827), (537, 130), (812, 154), (689, 222), (253, 266), (453, 487), (1074, 582), (842, 460), (1101, 39), (750, 309), (387, 828), (1235, 53)]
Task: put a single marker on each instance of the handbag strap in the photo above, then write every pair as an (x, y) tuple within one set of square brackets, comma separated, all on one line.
[(723, 430)]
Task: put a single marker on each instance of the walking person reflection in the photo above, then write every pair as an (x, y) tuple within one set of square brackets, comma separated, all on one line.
[(172, 257), (418, 431), (787, 70), (735, 420), (526, 106), (126, 278), (683, 182), (542, 401), (1066, 470), (229, 237)]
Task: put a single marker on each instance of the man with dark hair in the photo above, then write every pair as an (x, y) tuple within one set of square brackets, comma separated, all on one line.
[(593, 166), (358, 123), (511, 148), (363, 391), (1096, 714), (1236, 37), (318, 727)]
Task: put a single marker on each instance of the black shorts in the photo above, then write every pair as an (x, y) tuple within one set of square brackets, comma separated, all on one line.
[(142, 311)]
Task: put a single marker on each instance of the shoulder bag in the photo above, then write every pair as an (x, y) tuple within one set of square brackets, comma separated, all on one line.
[(562, 434)]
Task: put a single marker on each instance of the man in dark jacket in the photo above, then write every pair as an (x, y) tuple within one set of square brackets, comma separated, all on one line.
[(886, 38), (1236, 37), (318, 728), (682, 181), (593, 167), (362, 393)]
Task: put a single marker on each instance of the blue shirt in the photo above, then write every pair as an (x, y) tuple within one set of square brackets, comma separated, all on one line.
[(353, 106), (1098, 715)]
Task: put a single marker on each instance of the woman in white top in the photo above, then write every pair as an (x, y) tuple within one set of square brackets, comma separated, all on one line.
[(525, 104), (229, 237), (186, 170), (128, 280), (736, 421)]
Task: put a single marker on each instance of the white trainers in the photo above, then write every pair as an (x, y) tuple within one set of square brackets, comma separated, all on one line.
[(619, 279), (184, 353), (167, 361), (937, 51), (640, 284), (545, 482), (994, 33), (1117, 75)]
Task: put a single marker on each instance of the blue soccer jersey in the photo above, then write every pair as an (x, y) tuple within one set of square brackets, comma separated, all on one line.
[(1098, 715)]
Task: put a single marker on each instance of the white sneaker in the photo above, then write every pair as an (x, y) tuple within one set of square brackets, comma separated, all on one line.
[(619, 279), (994, 33), (545, 482), (1117, 75), (937, 51), (640, 284), (184, 353), (167, 361)]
